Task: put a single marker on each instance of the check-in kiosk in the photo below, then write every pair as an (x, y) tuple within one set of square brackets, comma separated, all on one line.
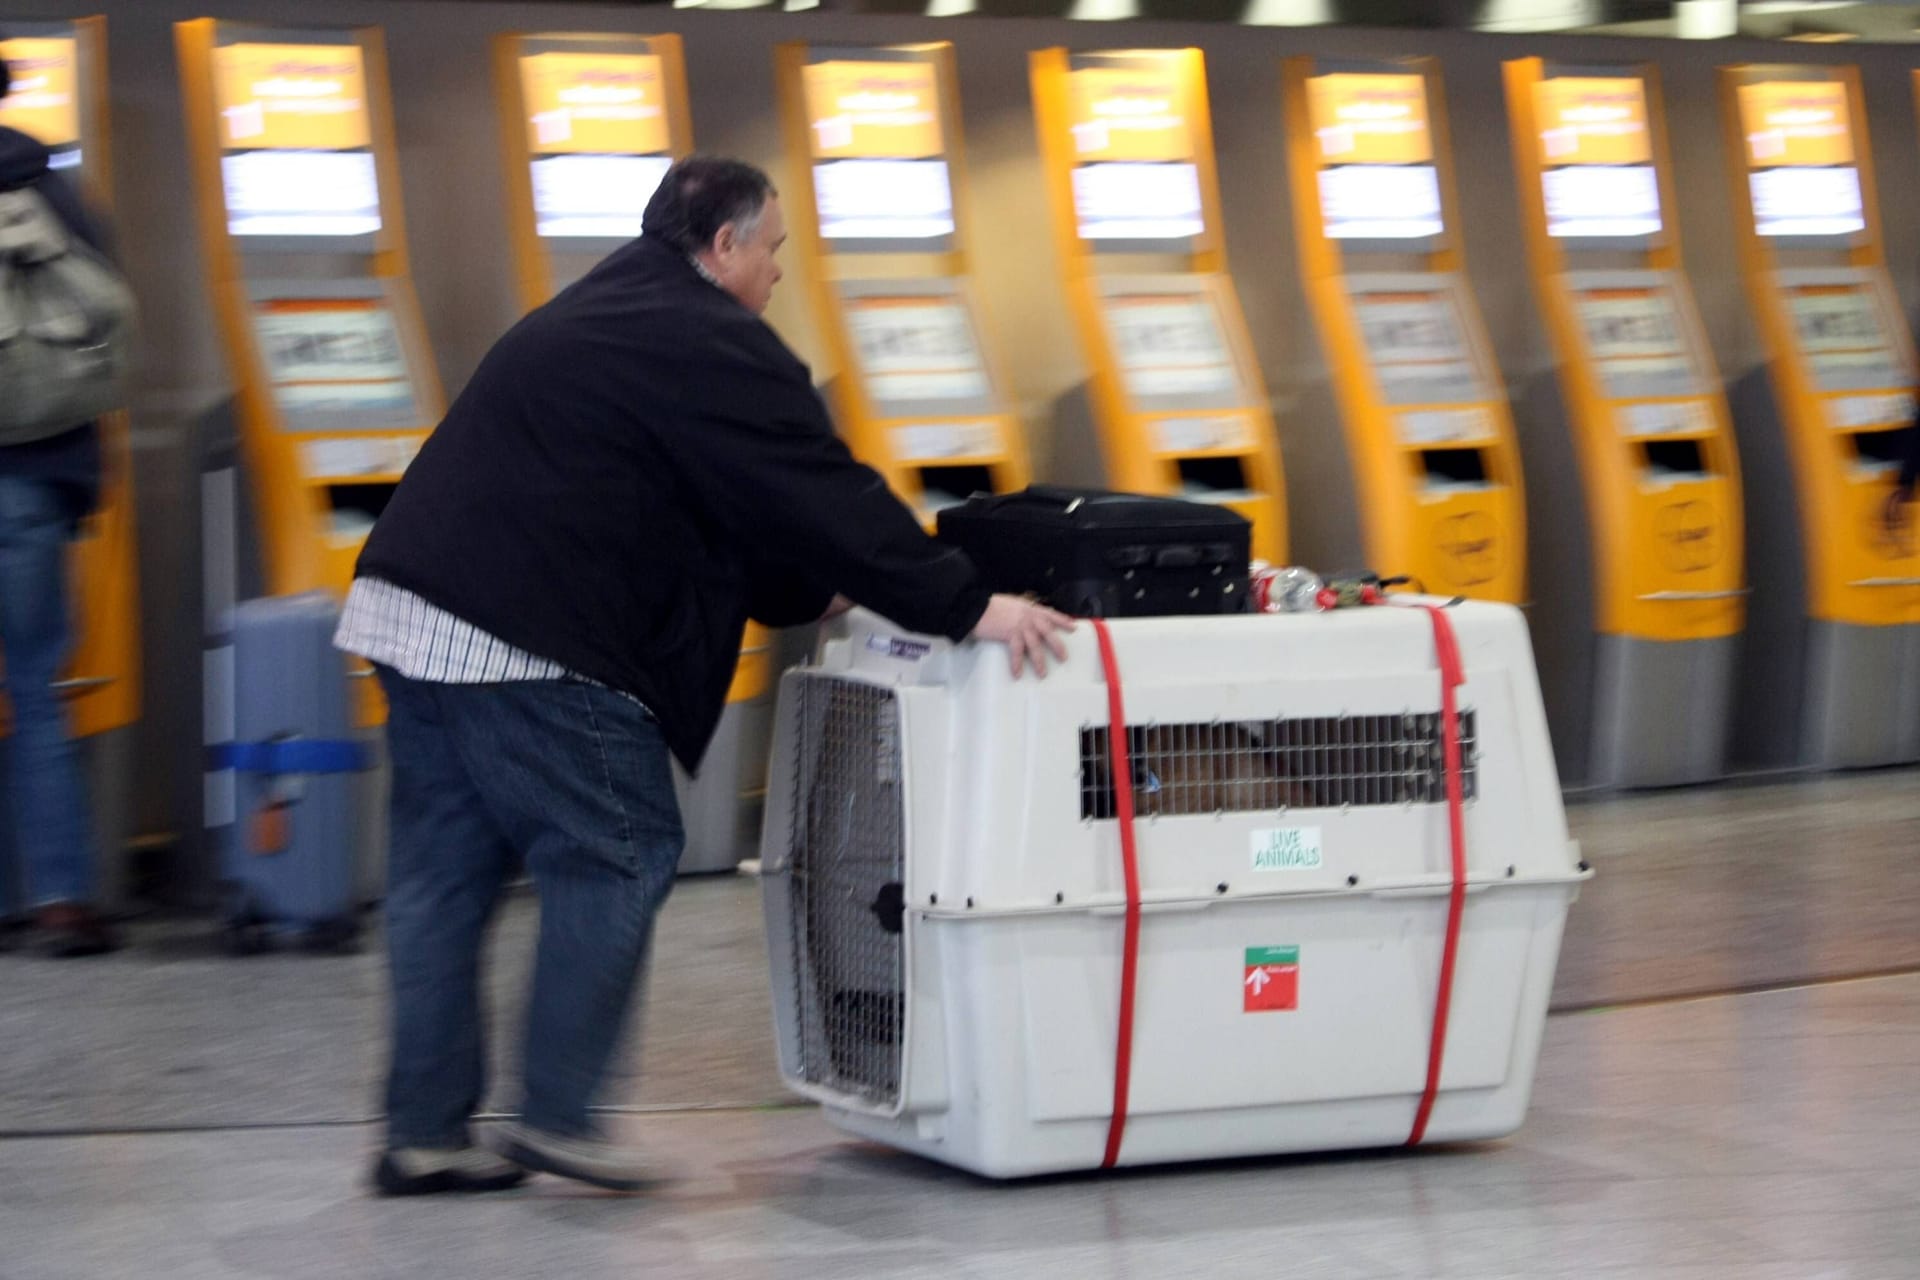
[(589, 124), (296, 174), (59, 96), (1176, 395), (1429, 438), (879, 210), (1651, 433), (298, 182), (1841, 368)]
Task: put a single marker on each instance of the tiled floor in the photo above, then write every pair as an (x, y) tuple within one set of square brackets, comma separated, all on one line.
[(1771, 1136), (172, 1112)]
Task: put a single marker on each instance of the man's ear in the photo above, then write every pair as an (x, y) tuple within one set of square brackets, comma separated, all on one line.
[(726, 240)]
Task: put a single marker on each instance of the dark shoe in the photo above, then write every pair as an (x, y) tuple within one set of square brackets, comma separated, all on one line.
[(588, 1160), (425, 1171), (70, 930)]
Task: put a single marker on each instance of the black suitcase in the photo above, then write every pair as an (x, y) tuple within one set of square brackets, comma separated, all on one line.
[(1106, 555)]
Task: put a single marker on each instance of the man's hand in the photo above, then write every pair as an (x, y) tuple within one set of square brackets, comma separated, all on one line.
[(1028, 630), (839, 606)]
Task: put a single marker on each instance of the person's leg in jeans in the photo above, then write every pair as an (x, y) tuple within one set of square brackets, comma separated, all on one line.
[(447, 864), (53, 832), (581, 781)]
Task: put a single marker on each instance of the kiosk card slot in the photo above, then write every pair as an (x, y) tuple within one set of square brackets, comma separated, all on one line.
[(1669, 458), (357, 503), (1453, 468), (942, 487), (1886, 447), (1213, 477)]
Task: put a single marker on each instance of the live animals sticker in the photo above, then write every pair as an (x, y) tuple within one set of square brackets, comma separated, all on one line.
[(1287, 849)]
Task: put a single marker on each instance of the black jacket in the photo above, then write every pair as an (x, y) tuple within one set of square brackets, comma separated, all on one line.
[(634, 470), (70, 461)]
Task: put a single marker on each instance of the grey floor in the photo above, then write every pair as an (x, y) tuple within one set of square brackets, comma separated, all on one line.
[(171, 1112)]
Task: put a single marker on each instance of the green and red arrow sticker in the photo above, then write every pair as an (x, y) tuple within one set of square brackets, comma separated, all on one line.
[(1272, 981)]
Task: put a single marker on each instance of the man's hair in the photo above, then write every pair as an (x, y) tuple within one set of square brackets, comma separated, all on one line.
[(702, 194)]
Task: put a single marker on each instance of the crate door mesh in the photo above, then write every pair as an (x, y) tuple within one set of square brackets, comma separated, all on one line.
[(1248, 766), (846, 865)]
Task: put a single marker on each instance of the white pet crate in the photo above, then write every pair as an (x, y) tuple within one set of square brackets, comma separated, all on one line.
[(945, 896)]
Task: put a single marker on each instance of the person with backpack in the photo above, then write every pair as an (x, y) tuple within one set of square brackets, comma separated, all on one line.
[(65, 317)]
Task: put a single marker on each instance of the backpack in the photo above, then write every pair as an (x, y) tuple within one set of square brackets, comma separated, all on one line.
[(66, 325)]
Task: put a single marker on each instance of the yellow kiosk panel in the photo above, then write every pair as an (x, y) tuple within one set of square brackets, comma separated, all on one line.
[(1177, 397), (597, 134), (1648, 423), (877, 210), (1421, 405), (1841, 367), (44, 100), (296, 140), (297, 174)]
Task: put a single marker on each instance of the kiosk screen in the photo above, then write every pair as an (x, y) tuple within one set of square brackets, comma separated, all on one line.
[(1418, 348), (301, 193), (596, 196), (1170, 347), (1638, 340), (333, 359), (1807, 202), (1380, 201), (884, 199), (914, 350), (1138, 200), (295, 140), (1602, 200), (1844, 338)]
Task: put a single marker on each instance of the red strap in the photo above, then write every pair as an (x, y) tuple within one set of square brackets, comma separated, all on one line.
[(1129, 852), (1452, 675)]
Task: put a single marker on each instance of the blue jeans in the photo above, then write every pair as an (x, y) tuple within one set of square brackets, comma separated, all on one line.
[(53, 835), (572, 781)]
